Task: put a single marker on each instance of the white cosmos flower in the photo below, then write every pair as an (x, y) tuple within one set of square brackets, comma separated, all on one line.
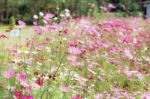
[(67, 10), (62, 15), (55, 18), (41, 14), (67, 14), (35, 16)]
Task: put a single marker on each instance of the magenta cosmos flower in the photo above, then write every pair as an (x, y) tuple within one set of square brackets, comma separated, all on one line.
[(21, 77)]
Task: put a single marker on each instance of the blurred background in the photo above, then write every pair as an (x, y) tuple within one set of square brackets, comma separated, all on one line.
[(12, 10)]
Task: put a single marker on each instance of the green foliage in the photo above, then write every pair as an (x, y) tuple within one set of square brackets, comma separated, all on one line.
[(12, 21), (131, 7), (25, 9)]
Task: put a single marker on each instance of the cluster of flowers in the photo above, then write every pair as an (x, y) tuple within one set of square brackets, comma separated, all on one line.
[(79, 59)]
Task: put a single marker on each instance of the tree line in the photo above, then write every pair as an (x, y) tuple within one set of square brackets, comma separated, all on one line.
[(25, 9)]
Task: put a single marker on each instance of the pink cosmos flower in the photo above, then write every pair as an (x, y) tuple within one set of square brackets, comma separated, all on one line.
[(113, 49), (28, 89), (35, 23), (38, 30), (21, 77), (64, 89), (21, 24), (128, 54), (48, 16), (35, 85), (146, 95), (40, 47), (72, 58), (14, 53), (74, 50), (133, 73), (65, 31), (97, 96), (9, 73), (129, 73), (52, 27)]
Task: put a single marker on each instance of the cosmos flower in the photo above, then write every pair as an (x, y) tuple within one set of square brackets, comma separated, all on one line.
[(48, 16), (64, 89), (21, 77), (41, 14), (74, 50), (21, 24), (35, 17), (146, 95), (9, 73)]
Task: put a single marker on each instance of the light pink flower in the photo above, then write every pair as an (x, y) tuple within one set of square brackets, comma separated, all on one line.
[(64, 89), (113, 49), (52, 27), (74, 50), (40, 47), (35, 85), (72, 58), (38, 30), (146, 95), (97, 96), (28, 89), (48, 16), (21, 24), (9, 73), (128, 54)]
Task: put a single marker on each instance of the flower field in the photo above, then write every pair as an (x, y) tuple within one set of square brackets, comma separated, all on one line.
[(80, 58)]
